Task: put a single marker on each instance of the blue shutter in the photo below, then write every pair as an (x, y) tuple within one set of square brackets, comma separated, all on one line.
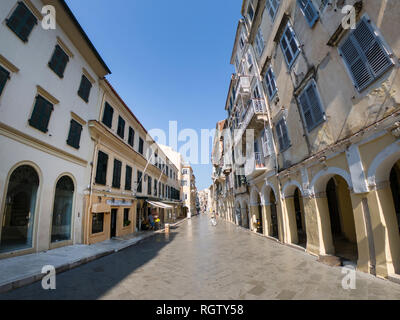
[(311, 106), (365, 56), (309, 11), (290, 45), (270, 83)]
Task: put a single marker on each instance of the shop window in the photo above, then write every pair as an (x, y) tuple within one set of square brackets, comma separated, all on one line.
[(97, 223)]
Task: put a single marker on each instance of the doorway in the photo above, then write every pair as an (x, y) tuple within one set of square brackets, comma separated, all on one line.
[(113, 232), (274, 216), (300, 219)]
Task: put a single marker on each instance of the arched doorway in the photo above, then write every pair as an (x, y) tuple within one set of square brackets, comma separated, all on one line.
[(259, 218), (245, 218), (62, 210), (19, 211), (238, 214), (300, 218), (274, 216), (342, 219)]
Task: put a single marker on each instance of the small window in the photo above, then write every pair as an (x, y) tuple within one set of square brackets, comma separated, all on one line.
[(84, 88), (131, 137), (22, 21), (128, 178), (108, 115), (309, 11), (4, 76), (365, 55), (59, 61), (270, 83), (41, 114), (155, 187), (116, 183), (121, 127), (272, 8), (290, 45), (141, 142), (74, 136), (126, 217), (283, 136), (250, 12), (101, 171), (311, 106), (97, 223), (139, 181)]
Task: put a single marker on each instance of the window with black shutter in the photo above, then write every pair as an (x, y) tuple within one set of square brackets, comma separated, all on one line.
[(74, 136), (365, 55), (116, 183), (108, 115), (128, 178), (59, 61), (311, 106), (22, 21), (139, 181), (141, 145), (131, 137), (41, 114), (121, 127), (155, 187), (84, 88), (101, 171), (149, 185), (4, 76)]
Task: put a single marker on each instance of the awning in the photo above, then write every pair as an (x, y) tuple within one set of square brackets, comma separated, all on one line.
[(159, 204)]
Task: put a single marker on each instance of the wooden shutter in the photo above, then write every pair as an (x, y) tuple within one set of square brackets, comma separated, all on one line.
[(121, 127), (309, 11), (117, 174), (311, 106), (84, 88), (108, 115), (101, 172), (131, 136), (290, 45), (4, 76), (283, 135), (59, 61), (41, 114), (365, 56), (74, 135), (22, 21), (128, 178), (139, 181)]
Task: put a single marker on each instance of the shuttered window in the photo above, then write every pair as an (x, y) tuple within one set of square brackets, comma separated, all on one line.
[(101, 171), (84, 88), (4, 76), (128, 178), (74, 136), (22, 21), (141, 145), (121, 127), (309, 11), (272, 7), (108, 115), (290, 45), (59, 61), (311, 106), (155, 187), (139, 181), (41, 114), (260, 42), (365, 55), (250, 12), (282, 134), (149, 185), (270, 83), (116, 183), (131, 136)]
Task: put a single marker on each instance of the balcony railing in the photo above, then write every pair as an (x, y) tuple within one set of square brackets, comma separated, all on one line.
[(258, 162), (256, 107), (243, 86)]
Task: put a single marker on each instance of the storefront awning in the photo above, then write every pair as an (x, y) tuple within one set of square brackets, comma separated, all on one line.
[(159, 205)]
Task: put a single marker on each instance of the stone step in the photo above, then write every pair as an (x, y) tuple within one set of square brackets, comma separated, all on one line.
[(332, 261)]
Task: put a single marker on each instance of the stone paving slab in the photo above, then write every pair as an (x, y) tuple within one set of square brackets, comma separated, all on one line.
[(23, 270)]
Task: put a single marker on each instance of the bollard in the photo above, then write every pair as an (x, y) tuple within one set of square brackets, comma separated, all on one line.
[(167, 228)]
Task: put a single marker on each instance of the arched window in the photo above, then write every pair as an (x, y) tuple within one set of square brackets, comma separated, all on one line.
[(62, 210), (19, 211)]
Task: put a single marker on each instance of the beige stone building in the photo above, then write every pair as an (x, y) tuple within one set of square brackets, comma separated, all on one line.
[(322, 101)]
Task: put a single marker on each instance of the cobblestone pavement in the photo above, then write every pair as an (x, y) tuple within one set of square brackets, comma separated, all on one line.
[(199, 261)]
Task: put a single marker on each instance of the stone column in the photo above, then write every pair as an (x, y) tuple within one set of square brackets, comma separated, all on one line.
[(312, 230), (291, 228), (267, 223), (324, 224)]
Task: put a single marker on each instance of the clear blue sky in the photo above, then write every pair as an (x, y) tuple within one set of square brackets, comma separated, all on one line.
[(169, 59)]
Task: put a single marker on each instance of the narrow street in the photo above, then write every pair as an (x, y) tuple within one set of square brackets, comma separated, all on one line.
[(198, 261)]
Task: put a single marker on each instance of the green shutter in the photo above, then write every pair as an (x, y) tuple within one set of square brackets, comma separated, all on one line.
[(101, 172), (74, 135), (117, 174), (22, 21), (108, 115), (84, 88), (139, 181), (4, 76), (128, 178), (59, 61), (41, 114)]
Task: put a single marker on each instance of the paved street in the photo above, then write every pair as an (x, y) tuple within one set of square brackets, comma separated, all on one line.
[(198, 261)]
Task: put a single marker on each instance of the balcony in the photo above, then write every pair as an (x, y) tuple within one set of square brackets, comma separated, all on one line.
[(253, 117), (243, 88), (258, 164), (227, 169)]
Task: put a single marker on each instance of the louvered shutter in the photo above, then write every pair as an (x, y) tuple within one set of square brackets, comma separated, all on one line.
[(128, 178), (108, 115), (74, 136), (365, 56), (280, 135), (41, 114), (22, 21), (4, 76), (84, 89), (311, 106), (309, 11), (117, 174), (101, 172)]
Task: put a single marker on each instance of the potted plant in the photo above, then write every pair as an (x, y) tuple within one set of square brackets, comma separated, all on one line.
[(127, 223)]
